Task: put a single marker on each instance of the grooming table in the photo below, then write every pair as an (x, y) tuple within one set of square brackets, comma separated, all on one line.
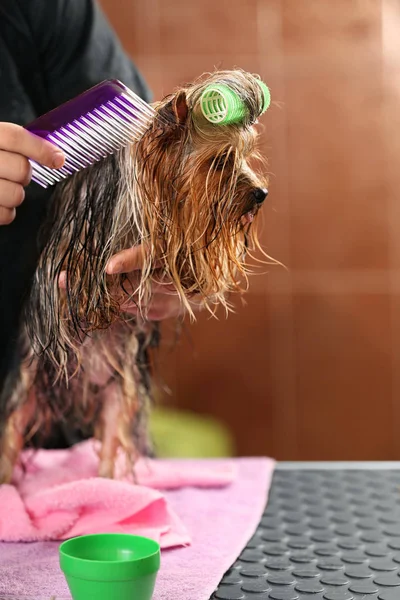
[(331, 531)]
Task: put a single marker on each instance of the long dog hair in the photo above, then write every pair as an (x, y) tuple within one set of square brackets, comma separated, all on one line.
[(187, 193)]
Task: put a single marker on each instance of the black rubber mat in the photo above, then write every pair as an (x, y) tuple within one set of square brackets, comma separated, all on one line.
[(326, 534)]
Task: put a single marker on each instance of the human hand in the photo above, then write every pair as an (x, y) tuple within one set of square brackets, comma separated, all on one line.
[(164, 303), (16, 146)]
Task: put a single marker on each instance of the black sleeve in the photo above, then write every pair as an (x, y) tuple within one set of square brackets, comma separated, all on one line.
[(54, 49), (77, 48)]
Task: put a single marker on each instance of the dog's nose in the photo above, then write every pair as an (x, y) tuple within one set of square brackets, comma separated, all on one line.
[(260, 194)]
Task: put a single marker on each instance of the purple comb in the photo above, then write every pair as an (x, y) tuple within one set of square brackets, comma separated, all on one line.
[(89, 127)]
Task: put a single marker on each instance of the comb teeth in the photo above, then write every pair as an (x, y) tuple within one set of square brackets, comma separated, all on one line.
[(91, 127)]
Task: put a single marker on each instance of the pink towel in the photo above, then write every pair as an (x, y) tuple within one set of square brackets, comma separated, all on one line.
[(57, 495), (220, 521)]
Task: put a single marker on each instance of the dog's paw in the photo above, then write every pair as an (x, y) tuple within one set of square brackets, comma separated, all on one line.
[(106, 469), (6, 470)]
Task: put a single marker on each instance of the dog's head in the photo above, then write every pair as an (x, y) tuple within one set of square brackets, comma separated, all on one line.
[(196, 183)]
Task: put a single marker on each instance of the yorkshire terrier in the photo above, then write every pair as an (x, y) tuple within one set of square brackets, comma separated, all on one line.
[(187, 192)]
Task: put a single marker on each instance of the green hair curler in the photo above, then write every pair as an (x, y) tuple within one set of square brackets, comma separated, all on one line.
[(223, 106), (266, 95)]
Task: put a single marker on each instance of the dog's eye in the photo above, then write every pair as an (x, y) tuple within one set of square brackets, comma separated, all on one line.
[(219, 162)]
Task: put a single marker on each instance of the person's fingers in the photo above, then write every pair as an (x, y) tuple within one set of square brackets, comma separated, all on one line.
[(62, 280), (14, 138), (160, 307), (11, 194), (131, 283), (15, 167), (164, 303), (130, 259), (160, 284), (16, 146), (7, 215), (125, 261)]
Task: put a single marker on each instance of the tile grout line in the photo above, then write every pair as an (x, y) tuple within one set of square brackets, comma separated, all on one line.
[(394, 275), (284, 367)]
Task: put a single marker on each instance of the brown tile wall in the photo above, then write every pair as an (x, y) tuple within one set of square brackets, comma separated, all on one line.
[(309, 368)]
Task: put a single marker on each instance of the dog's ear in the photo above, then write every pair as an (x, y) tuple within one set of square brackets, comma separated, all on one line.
[(176, 110), (180, 108)]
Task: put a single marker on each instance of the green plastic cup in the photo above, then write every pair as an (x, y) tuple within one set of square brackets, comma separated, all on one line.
[(108, 566)]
